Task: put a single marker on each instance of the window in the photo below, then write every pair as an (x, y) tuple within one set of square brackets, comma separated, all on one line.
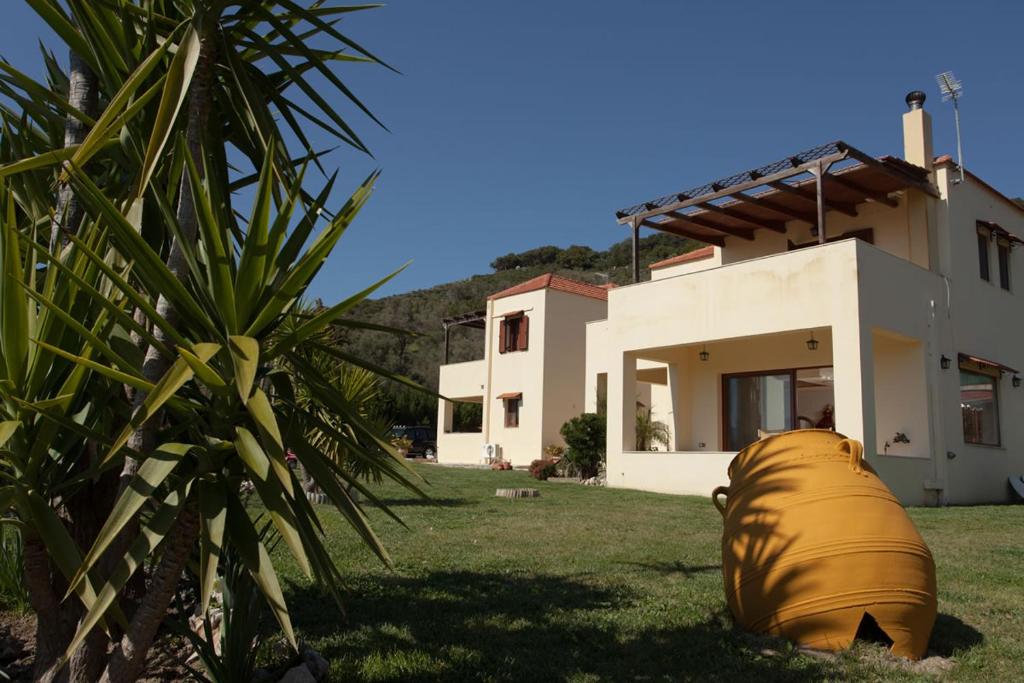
[(983, 268), (514, 333), (979, 405), (1003, 256), (512, 412)]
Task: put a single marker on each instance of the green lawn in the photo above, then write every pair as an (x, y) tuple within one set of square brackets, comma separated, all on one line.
[(592, 584)]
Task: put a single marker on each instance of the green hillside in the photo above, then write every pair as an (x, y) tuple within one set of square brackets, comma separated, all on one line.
[(421, 312)]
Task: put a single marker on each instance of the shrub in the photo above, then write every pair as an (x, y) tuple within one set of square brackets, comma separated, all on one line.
[(554, 452), (585, 440), (13, 594), (543, 469)]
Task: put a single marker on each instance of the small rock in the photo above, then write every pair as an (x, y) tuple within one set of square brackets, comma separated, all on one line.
[(298, 674), (316, 664), (262, 676)]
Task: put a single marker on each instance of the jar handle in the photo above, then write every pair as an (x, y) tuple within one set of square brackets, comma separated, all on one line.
[(856, 450), (719, 491)]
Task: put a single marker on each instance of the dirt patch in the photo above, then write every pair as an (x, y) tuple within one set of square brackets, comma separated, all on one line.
[(17, 643), (880, 657)]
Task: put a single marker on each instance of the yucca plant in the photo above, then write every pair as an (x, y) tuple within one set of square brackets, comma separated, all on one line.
[(142, 318)]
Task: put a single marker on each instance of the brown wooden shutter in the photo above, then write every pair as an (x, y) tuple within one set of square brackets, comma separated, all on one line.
[(524, 333), (502, 333)]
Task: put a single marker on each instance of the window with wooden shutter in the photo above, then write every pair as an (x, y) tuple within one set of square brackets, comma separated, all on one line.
[(523, 340), (514, 333)]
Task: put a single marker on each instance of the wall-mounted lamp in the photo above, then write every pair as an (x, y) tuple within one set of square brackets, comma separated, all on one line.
[(944, 362), (704, 355), (812, 343), (1016, 381)]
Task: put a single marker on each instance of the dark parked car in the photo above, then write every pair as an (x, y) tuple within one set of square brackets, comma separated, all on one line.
[(424, 440)]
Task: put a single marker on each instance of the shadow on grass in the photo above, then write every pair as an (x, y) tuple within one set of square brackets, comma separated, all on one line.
[(951, 635), (456, 626), (669, 568)]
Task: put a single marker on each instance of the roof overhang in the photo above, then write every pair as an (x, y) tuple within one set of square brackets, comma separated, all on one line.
[(765, 198), (984, 363), (999, 231), (510, 396)]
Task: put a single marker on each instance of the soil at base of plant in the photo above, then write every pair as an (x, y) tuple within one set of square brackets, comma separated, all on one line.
[(18, 643)]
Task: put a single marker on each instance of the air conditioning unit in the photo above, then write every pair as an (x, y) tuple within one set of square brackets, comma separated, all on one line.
[(491, 452)]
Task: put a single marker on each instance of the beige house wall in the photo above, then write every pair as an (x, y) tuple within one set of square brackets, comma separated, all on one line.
[(549, 374), (901, 231), (565, 362), (459, 382), (693, 266), (986, 322)]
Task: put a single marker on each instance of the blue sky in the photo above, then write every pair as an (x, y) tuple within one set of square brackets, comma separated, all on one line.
[(518, 124)]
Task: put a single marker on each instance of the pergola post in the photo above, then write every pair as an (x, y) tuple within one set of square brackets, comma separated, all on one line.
[(447, 334), (819, 185), (635, 224)]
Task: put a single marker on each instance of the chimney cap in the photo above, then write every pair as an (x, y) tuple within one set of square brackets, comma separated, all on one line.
[(915, 99)]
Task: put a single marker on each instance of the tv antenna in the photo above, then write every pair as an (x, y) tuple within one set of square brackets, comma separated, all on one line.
[(951, 89)]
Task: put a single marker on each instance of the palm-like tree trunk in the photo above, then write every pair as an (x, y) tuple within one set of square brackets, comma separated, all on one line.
[(83, 95), (129, 656), (84, 514)]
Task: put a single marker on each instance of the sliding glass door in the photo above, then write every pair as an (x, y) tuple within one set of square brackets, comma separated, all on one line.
[(756, 404)]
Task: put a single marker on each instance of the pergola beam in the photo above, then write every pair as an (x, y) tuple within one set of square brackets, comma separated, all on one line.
[(702, 223), (775, 226), (757, 181), (867, 160), (673, 228), (771, 205), (869, 195), (841, 207)]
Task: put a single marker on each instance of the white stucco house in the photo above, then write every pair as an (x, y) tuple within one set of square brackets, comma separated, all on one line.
[(882, 297)]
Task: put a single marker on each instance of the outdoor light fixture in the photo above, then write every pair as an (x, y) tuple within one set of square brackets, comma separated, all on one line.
[(812, 343), (704, 355), (1016, 381), (944, 362)]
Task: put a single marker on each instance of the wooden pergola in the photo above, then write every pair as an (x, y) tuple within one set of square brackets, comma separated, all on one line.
[(804, 187), (475, 320)]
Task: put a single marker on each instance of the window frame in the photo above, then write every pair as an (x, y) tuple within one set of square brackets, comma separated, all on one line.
[(1003, 262), (512, 406), (994, 375), (984, 254)]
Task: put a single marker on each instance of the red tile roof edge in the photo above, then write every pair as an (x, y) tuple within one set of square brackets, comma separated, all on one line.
[(696, 255), (556, 282)]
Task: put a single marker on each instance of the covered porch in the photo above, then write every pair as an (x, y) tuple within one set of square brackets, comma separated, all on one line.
[(725, 355), (719, 396)]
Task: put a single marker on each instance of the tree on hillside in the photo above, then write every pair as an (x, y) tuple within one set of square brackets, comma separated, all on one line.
[(577, 257), (541, 256)]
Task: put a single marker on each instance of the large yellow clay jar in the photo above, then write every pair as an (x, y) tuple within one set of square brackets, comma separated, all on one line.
[(813, 540)]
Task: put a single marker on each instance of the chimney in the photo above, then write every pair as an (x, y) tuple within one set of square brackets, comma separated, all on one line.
[(917, 132)]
